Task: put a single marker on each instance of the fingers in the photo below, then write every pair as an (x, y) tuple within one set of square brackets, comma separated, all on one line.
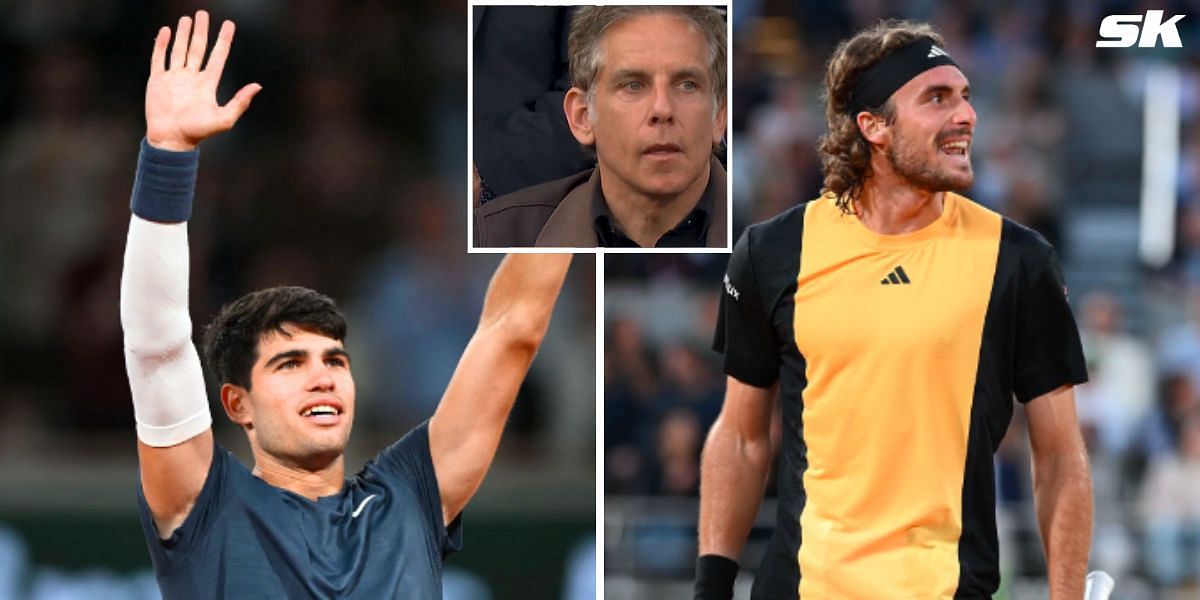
[(220, 51), (232, 111), (179, 50), (159, 56), (199, 43)]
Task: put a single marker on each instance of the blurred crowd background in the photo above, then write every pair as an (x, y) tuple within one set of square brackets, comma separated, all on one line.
[(347, 175), (1059, 147)]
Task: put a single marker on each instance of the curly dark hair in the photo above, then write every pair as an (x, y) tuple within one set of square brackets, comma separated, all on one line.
[(231, 339), (845, 153)]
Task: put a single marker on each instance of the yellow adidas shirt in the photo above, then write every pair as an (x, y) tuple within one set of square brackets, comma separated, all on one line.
[(898, 357)]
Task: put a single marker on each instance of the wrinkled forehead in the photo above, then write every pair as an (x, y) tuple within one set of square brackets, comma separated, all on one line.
[(651, 41)]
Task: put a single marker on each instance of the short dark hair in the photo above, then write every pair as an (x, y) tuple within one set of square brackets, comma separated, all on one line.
[(231, 339)]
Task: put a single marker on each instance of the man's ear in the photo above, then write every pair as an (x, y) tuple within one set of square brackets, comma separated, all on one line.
[(718, 131), (873, 127), (578, 118), (236, 401)]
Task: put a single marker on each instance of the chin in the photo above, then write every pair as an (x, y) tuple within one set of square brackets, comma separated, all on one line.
[(666, 186)]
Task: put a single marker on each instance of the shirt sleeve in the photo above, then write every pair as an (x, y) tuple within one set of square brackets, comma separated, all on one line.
[(1049, 353), (410, 459), (169, 553), (745, 333)]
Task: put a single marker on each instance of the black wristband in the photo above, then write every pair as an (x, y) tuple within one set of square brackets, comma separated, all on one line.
[(164, 184), (715, 575)]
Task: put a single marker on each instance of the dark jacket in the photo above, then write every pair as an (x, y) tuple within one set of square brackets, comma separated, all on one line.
[(559, 214)]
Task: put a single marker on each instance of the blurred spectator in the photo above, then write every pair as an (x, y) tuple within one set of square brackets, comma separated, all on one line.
[(1170, 508), (1120, 389), (1179, 398), (678, 456), (1179, 345)]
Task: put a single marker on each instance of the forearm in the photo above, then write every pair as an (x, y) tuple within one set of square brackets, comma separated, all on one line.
[(521, 297), (1063, 493), (733, 474), (164, 371), (465, 431)]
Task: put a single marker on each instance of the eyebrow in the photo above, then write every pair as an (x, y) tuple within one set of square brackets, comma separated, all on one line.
[(298, 353), (627, 73), (943, 88), (642, 73)]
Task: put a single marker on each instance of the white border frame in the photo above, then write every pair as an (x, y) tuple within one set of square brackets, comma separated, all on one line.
[(471, 249)]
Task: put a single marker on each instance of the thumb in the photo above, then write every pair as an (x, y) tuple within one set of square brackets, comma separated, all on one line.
[(232, 111)]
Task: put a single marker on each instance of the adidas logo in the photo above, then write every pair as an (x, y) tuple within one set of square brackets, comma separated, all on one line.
[(935, 51), (897, 276)]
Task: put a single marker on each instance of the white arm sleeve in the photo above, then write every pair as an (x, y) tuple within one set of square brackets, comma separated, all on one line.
[(169, 399)]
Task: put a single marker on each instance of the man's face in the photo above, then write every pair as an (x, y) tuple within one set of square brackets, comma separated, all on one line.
[(932, 130), (652, 118), (301, 399)]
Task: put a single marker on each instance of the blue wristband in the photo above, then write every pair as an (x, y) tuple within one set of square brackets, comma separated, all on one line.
[(165, 184)]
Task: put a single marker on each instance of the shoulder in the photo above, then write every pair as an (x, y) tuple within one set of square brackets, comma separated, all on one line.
[(777, 237), (1016, 240), (1031, 252), (783, 225), (1012, 233), (517, 218)]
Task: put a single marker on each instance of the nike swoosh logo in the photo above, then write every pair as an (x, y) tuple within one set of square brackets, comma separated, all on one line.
[(361, 506)]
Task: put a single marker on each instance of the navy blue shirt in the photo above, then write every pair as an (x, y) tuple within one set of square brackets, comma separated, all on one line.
[(381, 536)]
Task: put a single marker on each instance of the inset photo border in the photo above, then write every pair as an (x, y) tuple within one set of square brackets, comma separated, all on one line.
[(543, 177)]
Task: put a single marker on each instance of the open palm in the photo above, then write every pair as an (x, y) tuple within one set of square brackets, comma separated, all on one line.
[(181, 98)]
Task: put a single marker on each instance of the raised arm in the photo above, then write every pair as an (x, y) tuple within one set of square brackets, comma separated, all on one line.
[(465, 430), (733, 477), (174, 426), (1062, 490)]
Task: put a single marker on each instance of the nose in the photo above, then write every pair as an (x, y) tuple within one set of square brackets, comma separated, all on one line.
[(322, 380), (662, 108), (965, 115)]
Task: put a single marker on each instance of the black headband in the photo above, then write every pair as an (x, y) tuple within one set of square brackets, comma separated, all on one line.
[(883, 78)]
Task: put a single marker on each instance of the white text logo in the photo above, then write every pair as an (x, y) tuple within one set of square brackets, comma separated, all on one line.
[(1121, 31), (361, 506), (729, 289)]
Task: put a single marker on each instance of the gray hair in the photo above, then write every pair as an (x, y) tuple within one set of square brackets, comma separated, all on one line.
[(589, 23)]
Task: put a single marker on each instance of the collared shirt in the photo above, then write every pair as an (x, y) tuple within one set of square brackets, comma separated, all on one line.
[(691, 232)]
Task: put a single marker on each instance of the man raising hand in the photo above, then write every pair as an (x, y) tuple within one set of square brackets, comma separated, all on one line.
[(294, 526)]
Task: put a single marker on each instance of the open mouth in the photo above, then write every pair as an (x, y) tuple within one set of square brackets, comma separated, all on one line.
[(322, 412), (956, 148), (956, 144), (662, 150)]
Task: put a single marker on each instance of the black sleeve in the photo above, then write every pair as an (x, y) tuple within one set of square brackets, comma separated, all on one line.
[(744, 330), (410, 460), (1048, 350)]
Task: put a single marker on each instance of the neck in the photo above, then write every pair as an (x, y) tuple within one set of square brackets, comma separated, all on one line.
[(645, 217), (312, 483), (891, 205)]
